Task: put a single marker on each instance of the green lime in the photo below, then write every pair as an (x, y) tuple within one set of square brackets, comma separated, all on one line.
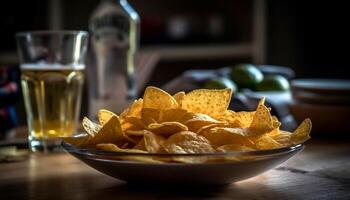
[(273, 83), (246, 75), (220, 83)]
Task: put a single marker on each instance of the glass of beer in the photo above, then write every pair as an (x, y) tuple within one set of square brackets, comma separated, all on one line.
[(52, 76)]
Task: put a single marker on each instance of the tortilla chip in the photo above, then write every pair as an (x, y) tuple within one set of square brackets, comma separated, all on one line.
[(115, 148), (111, 132), (150, 115), (302, 133), (140, 145), (104, 116), (245, 118), (173, 115), (153, 142), (266, 142), (262, 122), (167, 128), (233, 148), (90, 127), (187, 142), (158, 99), (219, 136), (134, 110), (195, 121), (210, 102), (179, 97)]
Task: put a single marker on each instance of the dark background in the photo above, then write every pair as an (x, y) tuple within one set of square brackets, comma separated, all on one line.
[(309, 36)]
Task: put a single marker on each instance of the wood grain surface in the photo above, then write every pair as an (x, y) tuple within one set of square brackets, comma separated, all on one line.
[(321, 171)]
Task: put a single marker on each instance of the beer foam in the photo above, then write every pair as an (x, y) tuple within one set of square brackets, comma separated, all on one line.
[(45, 66)]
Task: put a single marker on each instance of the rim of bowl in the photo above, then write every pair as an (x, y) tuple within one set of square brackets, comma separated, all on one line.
[(91, 152)]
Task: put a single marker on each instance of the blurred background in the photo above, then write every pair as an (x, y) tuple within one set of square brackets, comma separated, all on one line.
[(309, 37)]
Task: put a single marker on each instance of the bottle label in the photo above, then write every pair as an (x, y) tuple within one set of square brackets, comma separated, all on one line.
[(111, 25)]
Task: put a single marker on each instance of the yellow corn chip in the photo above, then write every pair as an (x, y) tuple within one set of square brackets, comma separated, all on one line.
[(150, 115), (228, 116), (219, 136), (245, 118), (111, 132), (90, 127), (195, 121), (115, 148), (275, 122), (134, 110), (207, 128), (261, 102), (179, 97), (234, 124), (302, 133), (187, 142), (153, 142), (266, 142), (140, 145), (132, 123), (233, 147), (158, 99), (282, 137), (262, 121), (173, 115), (104, 116), (210, 102), (167, 128), (138, 133)]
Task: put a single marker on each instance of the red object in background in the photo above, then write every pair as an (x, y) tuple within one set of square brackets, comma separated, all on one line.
[(9, 93)]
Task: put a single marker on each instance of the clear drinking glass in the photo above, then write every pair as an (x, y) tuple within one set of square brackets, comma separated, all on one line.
[(52, 76)]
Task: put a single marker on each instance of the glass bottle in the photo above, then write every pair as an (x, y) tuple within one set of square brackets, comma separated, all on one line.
[(114, 27)]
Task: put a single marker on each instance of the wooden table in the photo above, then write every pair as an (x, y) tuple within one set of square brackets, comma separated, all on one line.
[(321, 171)]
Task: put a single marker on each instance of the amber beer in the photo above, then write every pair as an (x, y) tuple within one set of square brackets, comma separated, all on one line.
[(52, 96)]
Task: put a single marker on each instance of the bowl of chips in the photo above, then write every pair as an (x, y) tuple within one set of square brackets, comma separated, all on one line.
[(185, 138)]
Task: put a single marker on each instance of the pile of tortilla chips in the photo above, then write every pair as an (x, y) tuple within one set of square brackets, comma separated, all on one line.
[(196, 122)]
